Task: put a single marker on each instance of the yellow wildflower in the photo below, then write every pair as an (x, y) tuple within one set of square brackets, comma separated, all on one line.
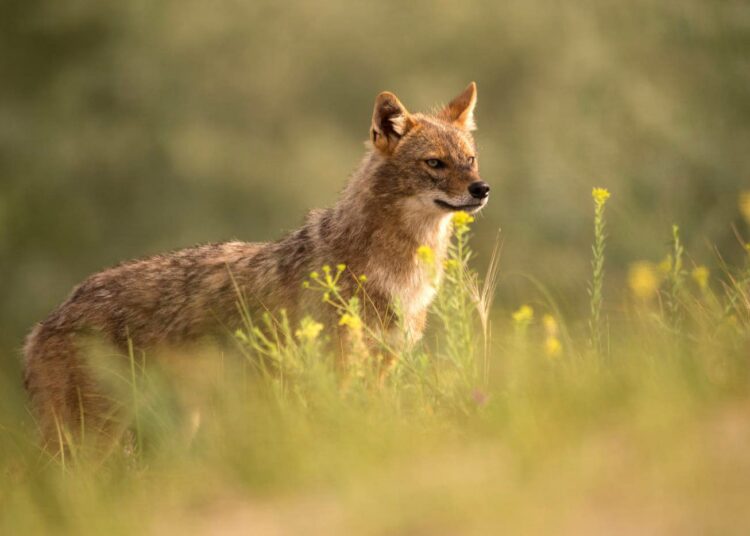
[(326, 269), (426, 254), (314, 275), (665, 266), (363, 278), (643, 279), (550, 325), (451, 263), (309, 329), (340, 267), (350, 321), (462, 219), (700, 275), (600, 195), (552, 346), (523, 315), (745, 205)]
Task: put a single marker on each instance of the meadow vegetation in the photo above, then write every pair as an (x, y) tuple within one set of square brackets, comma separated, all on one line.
[(531, 405), (632, 420)]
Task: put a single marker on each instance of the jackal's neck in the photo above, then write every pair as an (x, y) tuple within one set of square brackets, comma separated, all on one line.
[(378, 229)]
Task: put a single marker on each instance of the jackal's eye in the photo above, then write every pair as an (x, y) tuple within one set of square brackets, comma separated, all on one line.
[(434, 163)]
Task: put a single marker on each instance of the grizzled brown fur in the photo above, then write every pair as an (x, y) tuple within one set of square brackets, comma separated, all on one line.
[(417, 171)]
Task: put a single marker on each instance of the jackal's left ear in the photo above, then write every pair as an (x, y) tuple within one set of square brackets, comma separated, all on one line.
[(460, 110), (390, 121)]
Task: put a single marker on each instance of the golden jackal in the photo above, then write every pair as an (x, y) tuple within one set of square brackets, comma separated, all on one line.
[(419, 168)]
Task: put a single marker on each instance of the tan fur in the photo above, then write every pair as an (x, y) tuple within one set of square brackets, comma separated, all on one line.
[(388, 209)]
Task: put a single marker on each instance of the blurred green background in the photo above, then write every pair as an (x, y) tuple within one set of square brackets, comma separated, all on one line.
[(129, 128)]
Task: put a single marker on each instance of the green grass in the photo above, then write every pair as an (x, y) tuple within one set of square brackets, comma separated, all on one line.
[(494, 423)]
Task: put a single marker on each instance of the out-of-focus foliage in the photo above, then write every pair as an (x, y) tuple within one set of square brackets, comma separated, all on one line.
[(127, 128)]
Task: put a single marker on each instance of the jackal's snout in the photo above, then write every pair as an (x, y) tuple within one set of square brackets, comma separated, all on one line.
[(479, 189)]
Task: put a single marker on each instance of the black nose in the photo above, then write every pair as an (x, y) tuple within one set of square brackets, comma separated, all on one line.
[(479, 189)]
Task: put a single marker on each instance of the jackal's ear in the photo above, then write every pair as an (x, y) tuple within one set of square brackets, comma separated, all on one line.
[(460, 111), (390, 121)]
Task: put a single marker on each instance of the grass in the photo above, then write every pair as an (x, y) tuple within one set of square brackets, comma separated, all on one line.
[(495, 422)]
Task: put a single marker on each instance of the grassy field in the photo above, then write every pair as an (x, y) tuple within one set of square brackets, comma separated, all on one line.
[(632, 419), (133, 128)]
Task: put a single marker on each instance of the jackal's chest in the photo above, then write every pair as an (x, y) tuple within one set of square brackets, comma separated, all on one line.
[(415, 299), (409, 279), (412, 293)]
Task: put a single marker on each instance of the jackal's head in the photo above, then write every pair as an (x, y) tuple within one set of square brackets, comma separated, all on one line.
[(429, 159)]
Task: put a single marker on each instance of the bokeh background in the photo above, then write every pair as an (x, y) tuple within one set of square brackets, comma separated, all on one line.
[(129, 128)]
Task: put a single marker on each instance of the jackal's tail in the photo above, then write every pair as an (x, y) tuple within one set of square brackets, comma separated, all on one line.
[(64, 398)]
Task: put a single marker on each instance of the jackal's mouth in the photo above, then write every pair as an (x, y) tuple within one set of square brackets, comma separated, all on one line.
[(469, 208)]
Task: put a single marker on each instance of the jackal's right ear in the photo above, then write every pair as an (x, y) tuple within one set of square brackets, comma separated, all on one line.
[(460, 111), (390, 121)]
